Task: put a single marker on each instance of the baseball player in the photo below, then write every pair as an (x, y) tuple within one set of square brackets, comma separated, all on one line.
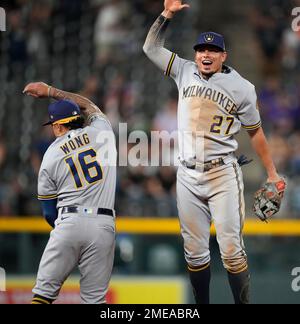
[(214, 103), (77, 194)]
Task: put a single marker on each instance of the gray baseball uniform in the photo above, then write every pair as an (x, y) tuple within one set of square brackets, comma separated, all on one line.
[(210, 113), (72, 172)]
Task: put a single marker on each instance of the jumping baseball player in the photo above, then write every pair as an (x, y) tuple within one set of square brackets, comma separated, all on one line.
[(77, 194), (214, 103)]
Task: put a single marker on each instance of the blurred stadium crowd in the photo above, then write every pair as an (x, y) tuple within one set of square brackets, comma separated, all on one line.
[(94, 47)]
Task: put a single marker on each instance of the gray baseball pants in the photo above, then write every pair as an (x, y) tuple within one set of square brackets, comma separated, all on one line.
[(84, 240), (203, 197)]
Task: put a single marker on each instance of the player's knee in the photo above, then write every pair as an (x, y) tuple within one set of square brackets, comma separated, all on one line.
[(197, 262), (235, 264), (195, 254)]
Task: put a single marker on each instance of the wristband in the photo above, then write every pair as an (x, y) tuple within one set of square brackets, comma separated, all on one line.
[(49, 89)]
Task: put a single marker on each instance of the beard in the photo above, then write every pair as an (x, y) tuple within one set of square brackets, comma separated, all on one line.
[(208, 75)]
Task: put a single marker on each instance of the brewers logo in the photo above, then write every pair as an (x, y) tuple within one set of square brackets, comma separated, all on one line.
[(209, 38)]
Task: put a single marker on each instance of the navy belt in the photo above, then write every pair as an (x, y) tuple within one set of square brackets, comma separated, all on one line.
[(209, 165), (76, 210)]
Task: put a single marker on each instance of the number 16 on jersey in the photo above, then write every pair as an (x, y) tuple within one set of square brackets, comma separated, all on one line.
[(91, 170)]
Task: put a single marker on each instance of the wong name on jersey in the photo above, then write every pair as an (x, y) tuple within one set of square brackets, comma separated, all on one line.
[(75, 143)]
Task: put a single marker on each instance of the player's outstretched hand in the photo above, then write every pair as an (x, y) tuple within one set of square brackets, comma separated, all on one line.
[(175, 5), (275, 178), (37, 90)]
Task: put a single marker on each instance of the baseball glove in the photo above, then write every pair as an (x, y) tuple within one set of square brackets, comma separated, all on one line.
[(268, 199)]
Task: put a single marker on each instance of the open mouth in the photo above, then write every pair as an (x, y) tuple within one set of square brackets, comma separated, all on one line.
[(207, 62)]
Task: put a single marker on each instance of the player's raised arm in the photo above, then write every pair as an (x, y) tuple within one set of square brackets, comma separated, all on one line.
[(43, 90), (154, 44)]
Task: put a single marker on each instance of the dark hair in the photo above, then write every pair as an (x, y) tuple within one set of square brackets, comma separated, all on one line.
[(75, 124)]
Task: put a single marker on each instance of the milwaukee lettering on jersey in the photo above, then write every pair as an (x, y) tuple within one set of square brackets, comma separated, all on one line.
[(209, 94)]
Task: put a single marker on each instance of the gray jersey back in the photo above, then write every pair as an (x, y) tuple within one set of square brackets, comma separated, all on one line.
[(72, 172)]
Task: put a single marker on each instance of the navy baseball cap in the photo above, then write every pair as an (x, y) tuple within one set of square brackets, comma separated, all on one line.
[(62, 112), (210, 38)]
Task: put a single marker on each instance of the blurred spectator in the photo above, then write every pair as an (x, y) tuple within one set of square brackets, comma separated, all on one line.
[(112, 30), (2, 151), (268, 19), (293, 197), (71, 9), (294, 144), (167, 177), (91, 88), (17, 38), (280, 151), (157, 199), (166, 118), (40, 146), (291, 49), (37, 46), (120, 102), (279, 107)]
